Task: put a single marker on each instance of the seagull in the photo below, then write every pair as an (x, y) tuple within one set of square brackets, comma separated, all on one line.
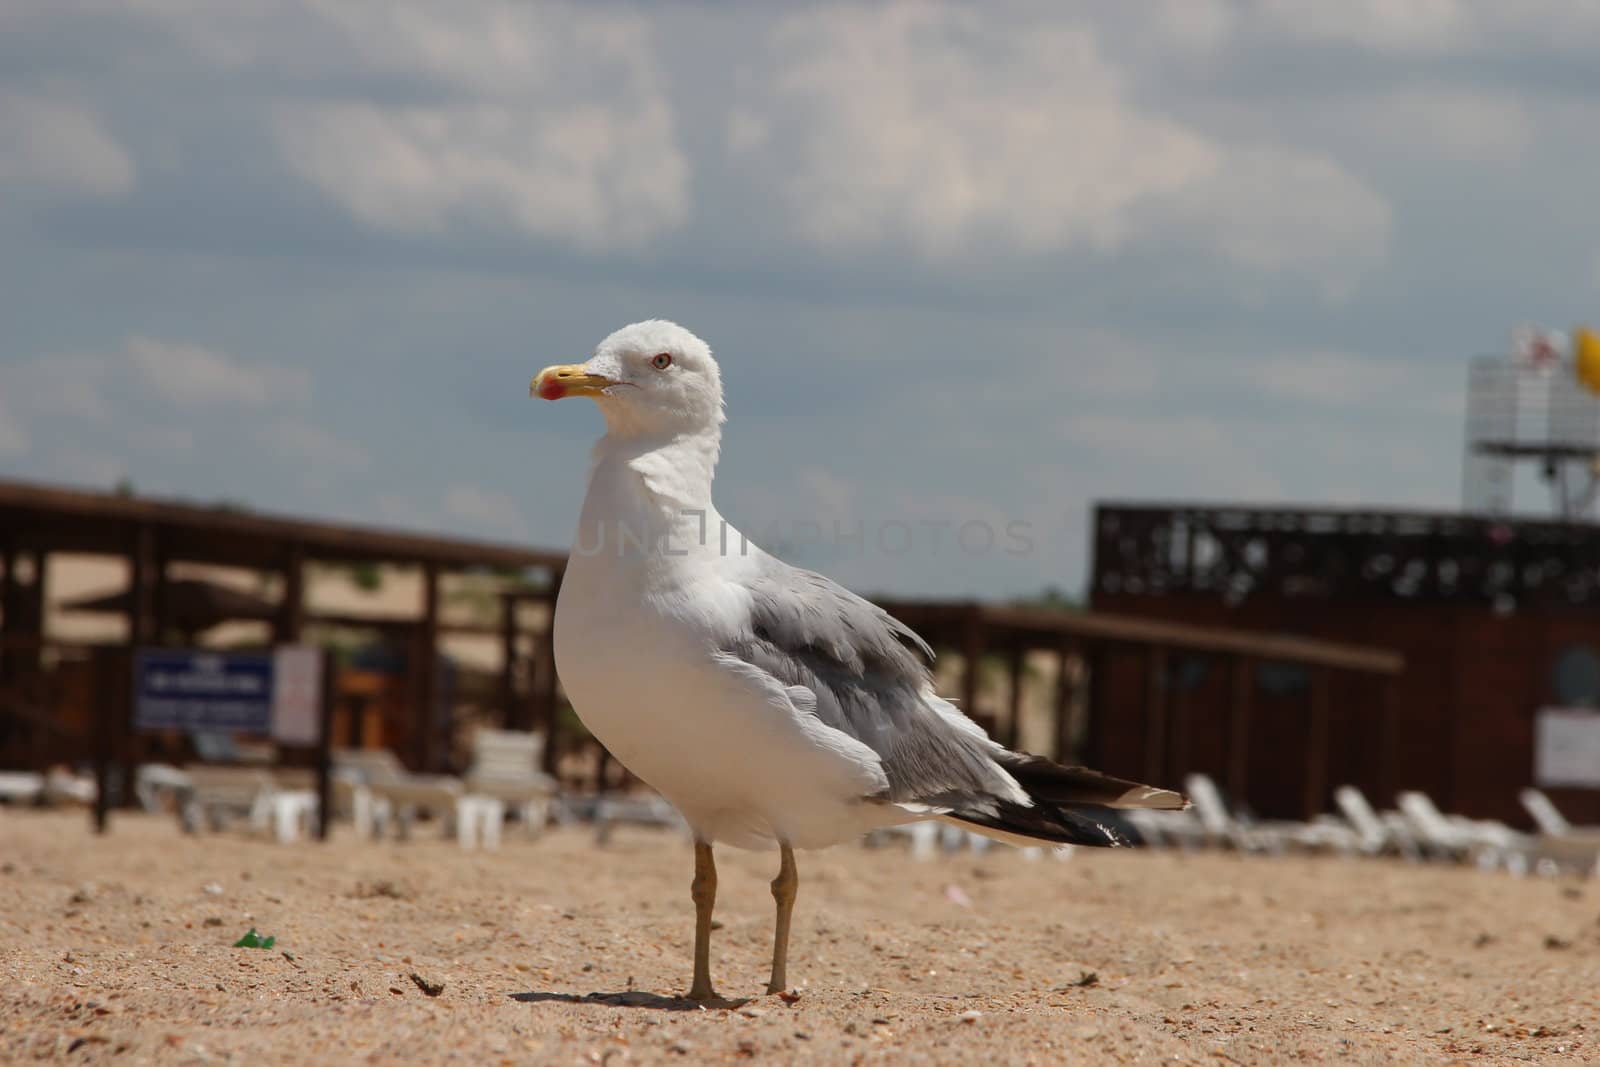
[(768, 704)]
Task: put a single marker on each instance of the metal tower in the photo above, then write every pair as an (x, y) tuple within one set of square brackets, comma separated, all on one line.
[(1522, 416)]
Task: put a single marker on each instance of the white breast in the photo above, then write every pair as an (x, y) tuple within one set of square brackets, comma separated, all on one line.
[(636, 648)]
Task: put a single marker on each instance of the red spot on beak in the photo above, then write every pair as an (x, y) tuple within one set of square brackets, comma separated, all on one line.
[(551, 389)]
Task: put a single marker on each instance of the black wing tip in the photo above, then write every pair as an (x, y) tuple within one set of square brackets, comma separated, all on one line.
[(1056, 783), (1094, 826)]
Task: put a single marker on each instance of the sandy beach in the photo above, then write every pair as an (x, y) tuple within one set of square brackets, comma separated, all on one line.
[(120, 950)]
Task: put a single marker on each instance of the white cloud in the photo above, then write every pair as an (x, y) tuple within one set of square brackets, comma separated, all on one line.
[(89, 387), (14, 440), (1352, 382), (598, 177), (1178, 453), (162, 438), (1390, 25), (68, 385), (1441, 123), (485, 511), (461, 509), (320, 457), (160, 397), (815, 496), (1326, 378), (746, 133), (190, 376), (962, 134), (85, 466), (935, 125), (557, 125), (397, 509), (59, 144), (1040, 371), (1437, 27), (1199, 26), (1272, 210)]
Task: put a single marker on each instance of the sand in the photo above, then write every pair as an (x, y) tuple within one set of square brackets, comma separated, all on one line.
[(119, 950)]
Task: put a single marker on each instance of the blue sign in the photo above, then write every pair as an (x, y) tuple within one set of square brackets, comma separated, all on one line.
[(204, 691)]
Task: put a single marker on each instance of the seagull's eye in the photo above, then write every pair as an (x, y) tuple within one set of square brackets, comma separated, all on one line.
[(661, 360)]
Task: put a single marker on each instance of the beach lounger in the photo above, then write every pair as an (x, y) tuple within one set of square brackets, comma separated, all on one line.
[(922, 836), (1572, 848), (1486, 843), (1378, 833), (1168, 829), (505, 765), (62, 786), (379, 784), (160, 786), (635, 809), (218, 795), (1222, 827), (21, 787), (1547, 817)]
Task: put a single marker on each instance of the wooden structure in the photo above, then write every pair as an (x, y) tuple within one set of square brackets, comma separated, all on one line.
[(1166, 699), (1495, 618), (1146, 684), (151, 535)]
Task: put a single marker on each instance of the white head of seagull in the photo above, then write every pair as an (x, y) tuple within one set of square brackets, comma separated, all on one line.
[(650, 379)]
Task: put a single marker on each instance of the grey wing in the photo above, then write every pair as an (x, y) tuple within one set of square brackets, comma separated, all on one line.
[(870, 676)]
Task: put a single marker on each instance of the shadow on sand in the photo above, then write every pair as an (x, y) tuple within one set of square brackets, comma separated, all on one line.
[(633, 998)]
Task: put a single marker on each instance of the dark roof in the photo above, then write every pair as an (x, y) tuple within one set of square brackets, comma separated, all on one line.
[(72, 520), (1006, 626)]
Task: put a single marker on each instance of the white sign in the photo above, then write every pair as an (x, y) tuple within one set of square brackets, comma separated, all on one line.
[(1566, 748), (297, 695)]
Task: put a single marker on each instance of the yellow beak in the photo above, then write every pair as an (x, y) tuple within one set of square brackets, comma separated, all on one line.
[(568, 379)]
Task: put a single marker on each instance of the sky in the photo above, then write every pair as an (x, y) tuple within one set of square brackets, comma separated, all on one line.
[(967, 269)]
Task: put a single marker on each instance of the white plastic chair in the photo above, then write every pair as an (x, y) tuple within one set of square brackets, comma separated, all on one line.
[(505, 765), (478, 820), (1377, 833), (21, 787), (1488, 844), (1274, 837), (386, 779)]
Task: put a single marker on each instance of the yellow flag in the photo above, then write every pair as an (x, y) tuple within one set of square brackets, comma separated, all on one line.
[(1586, 357)]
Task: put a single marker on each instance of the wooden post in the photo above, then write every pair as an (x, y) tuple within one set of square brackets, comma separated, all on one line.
[(1388, 755), (161, 604), (1094, 739), (971, 660), (112, 668), (141, 587), (1017, 662), (1178, 724), (325, 745), (292, 608), (105, 707), (1155, 712), (1317, 744), (1239, 727), (8, 607), (25, 616), (546, 678), (426, 645), (8, 599), (511, 716), (1063, 705)]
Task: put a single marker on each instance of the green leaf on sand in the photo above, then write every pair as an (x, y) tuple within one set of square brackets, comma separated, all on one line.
[(255, 940)]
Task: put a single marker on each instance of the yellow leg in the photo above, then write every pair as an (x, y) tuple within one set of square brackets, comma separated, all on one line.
[(704, 891), (784, 888)]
